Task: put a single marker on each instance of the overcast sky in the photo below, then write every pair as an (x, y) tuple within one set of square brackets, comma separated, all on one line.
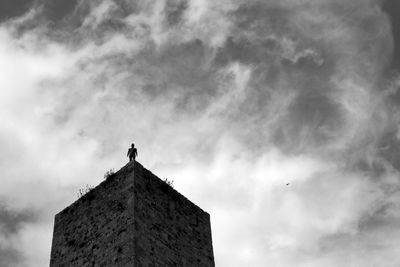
[(231, 99)]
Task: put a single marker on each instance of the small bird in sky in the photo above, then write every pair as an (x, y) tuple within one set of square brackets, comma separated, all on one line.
[(287, 184)]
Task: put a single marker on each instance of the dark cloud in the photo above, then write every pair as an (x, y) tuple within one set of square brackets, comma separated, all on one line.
[(313, 120), (392, 7), (267, 39), (174, 10), (370, 238), (243, 50), (383, 217), (58, 10), (14, 8), (9, 257), (64, 21), (389, 148), (11, 222)]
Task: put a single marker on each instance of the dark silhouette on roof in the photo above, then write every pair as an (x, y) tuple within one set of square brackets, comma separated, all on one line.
[(132, 152)]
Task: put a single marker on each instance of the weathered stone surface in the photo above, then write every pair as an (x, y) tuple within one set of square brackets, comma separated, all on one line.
[(132, 219)]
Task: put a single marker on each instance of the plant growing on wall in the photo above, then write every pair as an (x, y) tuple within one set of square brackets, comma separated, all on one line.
[(169, 182), (109, 173), (84, 191)]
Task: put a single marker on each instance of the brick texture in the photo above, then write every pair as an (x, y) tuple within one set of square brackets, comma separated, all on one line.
[(132, 219)]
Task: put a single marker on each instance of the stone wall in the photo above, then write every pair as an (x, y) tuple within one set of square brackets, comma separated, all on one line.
[(132, 219), (170, 230)]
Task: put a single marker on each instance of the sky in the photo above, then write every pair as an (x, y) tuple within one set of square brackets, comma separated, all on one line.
[(230, 99)]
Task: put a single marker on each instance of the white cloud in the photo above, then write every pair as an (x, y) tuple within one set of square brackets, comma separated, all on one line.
[(99, 14), (67, 115)]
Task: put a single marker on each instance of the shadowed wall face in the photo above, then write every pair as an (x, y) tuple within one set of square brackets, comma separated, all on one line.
[(169, 229), (132, 218)]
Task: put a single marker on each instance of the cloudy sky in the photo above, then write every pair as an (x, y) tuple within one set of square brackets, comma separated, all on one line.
[(231, 99)]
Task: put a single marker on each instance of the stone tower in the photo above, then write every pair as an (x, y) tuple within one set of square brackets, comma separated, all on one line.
[(132, 219)]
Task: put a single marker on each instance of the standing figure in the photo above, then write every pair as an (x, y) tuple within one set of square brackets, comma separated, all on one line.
[(132, 152)]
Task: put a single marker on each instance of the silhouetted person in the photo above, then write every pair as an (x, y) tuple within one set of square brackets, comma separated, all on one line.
[(132, 152)]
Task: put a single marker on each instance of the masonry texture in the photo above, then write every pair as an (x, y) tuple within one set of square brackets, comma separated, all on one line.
[(132, 219)]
